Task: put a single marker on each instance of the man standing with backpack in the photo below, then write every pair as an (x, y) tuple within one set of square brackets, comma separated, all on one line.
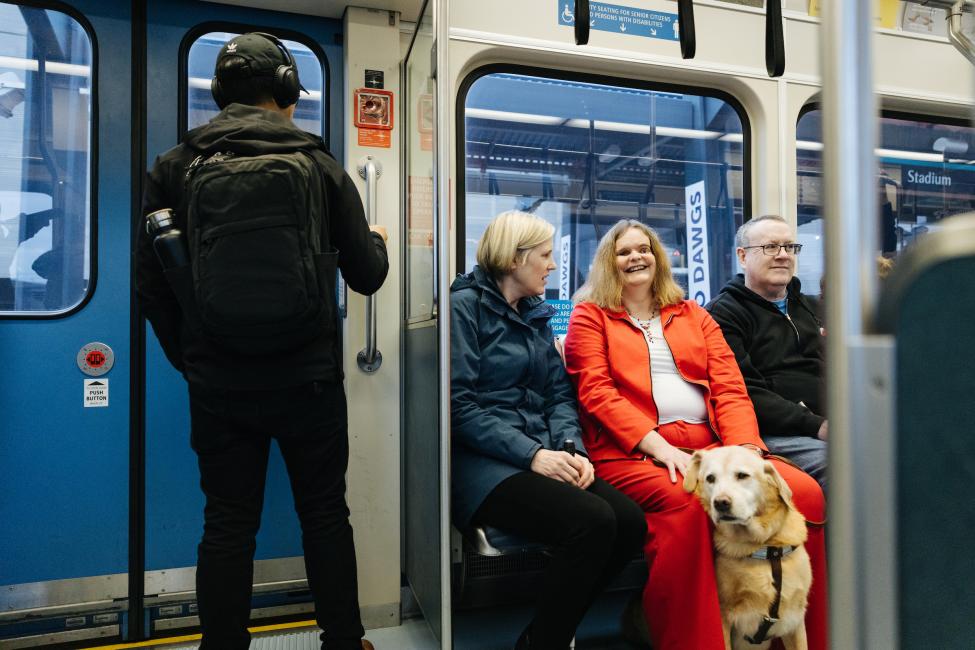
[(250, 319)]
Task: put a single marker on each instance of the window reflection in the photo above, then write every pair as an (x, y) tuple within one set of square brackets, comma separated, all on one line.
[(925, 173), (584, 155), (203, 56), (45, 136)]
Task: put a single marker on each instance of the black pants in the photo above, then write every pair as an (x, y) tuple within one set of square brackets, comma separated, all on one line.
[(594, 532), (231, 435)]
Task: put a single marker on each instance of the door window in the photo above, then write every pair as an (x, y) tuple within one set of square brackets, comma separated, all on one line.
[(45, 161), (200, 108)]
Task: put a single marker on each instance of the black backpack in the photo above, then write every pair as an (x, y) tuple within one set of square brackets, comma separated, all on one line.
[(263, 275)]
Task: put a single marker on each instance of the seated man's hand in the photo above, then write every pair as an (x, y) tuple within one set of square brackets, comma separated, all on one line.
[(755, 448), (823, 432)]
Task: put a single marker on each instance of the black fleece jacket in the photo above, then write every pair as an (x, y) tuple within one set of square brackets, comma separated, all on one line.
[(249, 130), (781, 357)]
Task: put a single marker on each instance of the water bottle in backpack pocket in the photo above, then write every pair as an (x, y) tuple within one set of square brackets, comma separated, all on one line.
[(261, 279), (169, 244)]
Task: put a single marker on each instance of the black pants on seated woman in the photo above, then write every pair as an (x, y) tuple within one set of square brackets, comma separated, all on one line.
[(594, 533), (512, 410)]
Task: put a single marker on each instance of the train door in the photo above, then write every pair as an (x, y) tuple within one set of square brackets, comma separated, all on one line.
[(182, 41), (425, 475), (65, 206)]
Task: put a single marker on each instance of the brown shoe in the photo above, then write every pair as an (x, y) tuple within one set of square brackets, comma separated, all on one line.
[(367, 645)]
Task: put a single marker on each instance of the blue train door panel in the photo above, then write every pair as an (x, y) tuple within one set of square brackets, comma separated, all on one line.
[(65, 206), (183, 38)]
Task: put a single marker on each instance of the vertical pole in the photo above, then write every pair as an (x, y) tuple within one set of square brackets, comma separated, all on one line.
[(849, 172), (441, 27)]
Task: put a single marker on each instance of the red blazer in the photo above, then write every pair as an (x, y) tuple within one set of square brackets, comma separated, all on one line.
[(607, 359)]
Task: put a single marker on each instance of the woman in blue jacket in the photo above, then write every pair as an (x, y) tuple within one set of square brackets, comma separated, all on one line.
[(512, 410)]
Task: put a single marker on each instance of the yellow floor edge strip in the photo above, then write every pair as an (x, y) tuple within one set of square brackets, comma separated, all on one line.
[(189, 638)]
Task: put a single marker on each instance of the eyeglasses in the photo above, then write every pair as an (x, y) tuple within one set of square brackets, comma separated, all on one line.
[(773, 249)]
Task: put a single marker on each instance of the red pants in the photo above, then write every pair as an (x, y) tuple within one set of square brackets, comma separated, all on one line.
[(680, 599)]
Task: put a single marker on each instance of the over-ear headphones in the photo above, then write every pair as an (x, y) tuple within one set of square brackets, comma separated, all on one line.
[(285, 85)]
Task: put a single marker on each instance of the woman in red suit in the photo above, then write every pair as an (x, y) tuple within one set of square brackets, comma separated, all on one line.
[(655, 378)]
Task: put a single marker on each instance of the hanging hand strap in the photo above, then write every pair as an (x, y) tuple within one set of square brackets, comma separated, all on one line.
[(688, 35), (774, 40), (582, 22)]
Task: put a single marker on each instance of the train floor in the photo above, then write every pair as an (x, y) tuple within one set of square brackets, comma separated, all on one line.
[(495, 628)]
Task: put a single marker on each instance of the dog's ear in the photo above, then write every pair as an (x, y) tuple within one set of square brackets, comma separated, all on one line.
[(690, 477), (775, 480)]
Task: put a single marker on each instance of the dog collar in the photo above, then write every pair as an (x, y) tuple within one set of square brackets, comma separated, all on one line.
[(768, 552)]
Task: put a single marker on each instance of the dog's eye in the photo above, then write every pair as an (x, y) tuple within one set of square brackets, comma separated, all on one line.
[(741, 476), (709, 478)]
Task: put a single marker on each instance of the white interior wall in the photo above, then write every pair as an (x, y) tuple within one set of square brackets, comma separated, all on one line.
[(912, 72), (372, 41)]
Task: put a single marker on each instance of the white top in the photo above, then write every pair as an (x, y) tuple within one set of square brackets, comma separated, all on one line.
[(676, 398)]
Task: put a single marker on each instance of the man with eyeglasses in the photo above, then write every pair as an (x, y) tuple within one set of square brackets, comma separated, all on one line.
[(777, 337)]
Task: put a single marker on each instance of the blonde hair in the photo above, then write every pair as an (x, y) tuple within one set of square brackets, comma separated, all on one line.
[(507, 240), (605, 284)]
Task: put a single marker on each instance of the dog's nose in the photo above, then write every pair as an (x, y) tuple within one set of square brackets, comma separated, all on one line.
[(722, 505)]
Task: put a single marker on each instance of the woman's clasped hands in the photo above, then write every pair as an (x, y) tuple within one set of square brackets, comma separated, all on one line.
[(563, 466)]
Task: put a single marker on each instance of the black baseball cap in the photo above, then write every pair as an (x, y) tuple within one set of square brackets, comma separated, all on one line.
[(263, 55)]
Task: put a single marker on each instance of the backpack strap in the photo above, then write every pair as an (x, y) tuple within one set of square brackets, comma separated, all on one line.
[(326, 215)]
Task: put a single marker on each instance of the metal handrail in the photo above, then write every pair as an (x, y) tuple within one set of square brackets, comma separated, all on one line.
[(955, 9), (957, 37), (370, 358)]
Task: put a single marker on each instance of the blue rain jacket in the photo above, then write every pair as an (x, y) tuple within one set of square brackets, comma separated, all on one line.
[(509, 392)]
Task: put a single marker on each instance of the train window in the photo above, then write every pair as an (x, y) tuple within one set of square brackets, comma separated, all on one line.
[(925, 174), (200, 107), (584, 155), (45, 164)]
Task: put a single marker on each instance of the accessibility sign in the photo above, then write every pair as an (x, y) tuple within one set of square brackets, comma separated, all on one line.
[(96, 393), (624, 20)]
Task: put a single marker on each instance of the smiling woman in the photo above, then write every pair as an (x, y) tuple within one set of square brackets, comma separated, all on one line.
[(655, 378)]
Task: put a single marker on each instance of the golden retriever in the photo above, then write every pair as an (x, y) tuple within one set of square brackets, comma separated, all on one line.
[(751, 507)]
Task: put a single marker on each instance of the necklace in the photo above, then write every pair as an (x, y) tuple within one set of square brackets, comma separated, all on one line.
[(644, 324)]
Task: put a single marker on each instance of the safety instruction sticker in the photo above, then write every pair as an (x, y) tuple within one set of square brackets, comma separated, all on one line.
[(560, 321), (96, 393), (624, 20), (375, 138)]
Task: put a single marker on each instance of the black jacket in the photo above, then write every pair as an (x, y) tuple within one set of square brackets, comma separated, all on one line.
[(249, 130), (781, 357)]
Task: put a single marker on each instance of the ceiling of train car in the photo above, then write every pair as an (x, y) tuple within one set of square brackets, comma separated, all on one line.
[(409, 9)]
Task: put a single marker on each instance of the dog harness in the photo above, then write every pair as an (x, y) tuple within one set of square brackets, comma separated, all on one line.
[(774, 555)]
